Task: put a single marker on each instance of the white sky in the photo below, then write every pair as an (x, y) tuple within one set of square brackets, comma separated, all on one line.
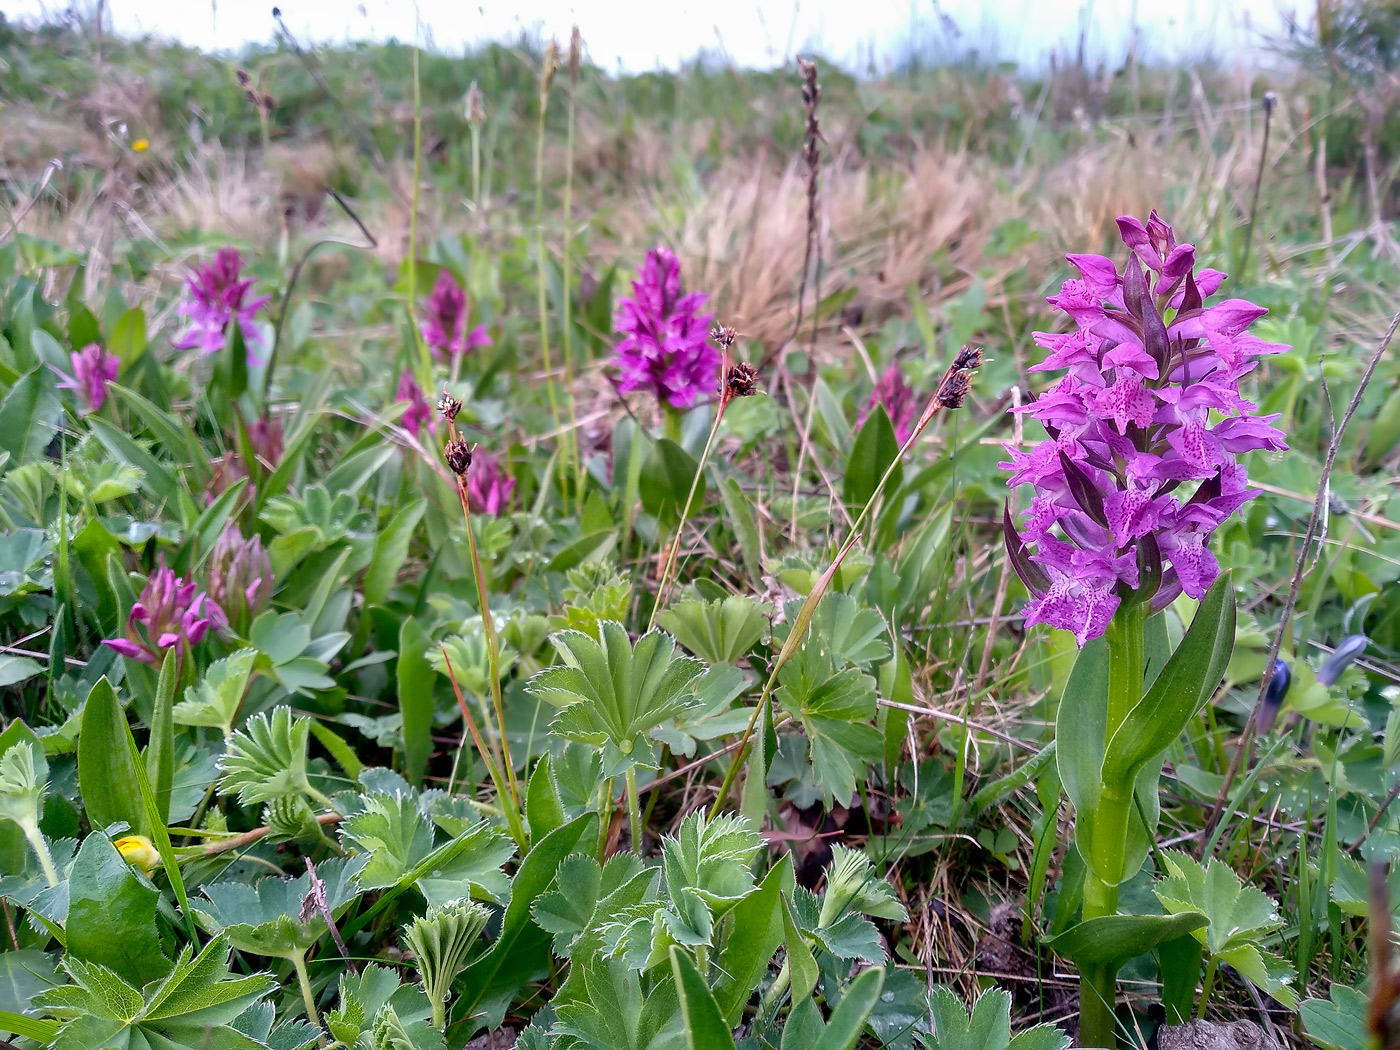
[(638, 35)]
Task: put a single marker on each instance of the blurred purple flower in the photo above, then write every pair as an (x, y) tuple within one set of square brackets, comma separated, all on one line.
[(1128, 425), (216, 298), (420, 412), (171, 612), (239, 577), (488, 490), (445, 326), (664, 346), (93, 369), (897, 396)]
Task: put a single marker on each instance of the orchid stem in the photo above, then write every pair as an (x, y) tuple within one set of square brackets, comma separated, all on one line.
[(674, 552)]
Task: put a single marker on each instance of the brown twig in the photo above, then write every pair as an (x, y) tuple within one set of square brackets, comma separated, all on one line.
[(247, 838)]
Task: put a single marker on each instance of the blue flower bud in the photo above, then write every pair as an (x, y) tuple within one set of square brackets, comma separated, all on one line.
[(1273, 695), (1348, 649)]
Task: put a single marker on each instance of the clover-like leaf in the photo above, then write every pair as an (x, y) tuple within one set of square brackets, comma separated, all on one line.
[(441, 941), (987, 1026), (722, 631), (711, 858)]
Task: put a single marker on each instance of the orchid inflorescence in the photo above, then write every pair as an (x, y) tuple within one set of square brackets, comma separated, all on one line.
[(218, 295), (664, 347), (1136, 474), (445, 320), (93, 369)]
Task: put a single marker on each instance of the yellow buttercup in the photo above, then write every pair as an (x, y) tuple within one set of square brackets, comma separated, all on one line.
[(139, 851)]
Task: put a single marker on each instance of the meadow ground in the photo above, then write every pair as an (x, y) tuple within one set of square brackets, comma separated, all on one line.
[(379, 561)]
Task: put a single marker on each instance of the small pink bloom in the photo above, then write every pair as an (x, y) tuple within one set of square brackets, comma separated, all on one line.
[(93, 369)]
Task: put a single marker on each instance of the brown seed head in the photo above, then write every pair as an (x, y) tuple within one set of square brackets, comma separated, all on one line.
[(953, 390), (449, 406), (742, 380), (475, 105), (547, 72), (244, 77), (575, 54), (724, 335), (268, 103), (969, 357), (459, 457)]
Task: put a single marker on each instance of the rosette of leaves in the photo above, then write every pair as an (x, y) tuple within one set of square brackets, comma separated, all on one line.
[(706, 870), (612, 694), (1239, 919), (987, 1026), (428, 841), (441, 942), (377, 1012), (270, 917), (266, 759), (197, 1004)]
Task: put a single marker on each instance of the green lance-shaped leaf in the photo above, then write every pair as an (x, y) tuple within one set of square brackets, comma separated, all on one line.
[(847, 1021), (106, 770), (875, 449), (1110, 940), (705, 1027), (1185, 683), (415, 679)]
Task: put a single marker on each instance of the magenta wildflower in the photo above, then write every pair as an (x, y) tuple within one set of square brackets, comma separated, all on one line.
[(488, 490), (93, 369), (897, 397), (419, 413), (1140, 467), (445, 326), (664, 346), (216, 298), (171, 612), (239, 576)]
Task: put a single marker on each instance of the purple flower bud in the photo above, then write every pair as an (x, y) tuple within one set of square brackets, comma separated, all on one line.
[(420, 412), (1137, 474), (1277, 689), (239, 575), (217, 298), (665, 348), (445, 320), (488, 490), (897, 397)]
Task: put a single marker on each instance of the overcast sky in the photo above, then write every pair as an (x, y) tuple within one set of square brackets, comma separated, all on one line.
[(638, 35)]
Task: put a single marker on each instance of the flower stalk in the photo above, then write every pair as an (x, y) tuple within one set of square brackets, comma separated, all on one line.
[(952, 391)]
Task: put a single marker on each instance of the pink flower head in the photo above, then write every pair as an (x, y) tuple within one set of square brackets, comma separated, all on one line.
[(488, 490), (1141, 465), (217, 298), (664, 346), (93, 369), (445, 323), (897, 397), (170, 612), (419, 413)]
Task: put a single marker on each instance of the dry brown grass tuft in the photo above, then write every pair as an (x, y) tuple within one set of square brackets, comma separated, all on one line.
[(220, 191)]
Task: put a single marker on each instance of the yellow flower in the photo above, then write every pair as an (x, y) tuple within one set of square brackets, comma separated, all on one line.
[(139, 851), (140, 146)]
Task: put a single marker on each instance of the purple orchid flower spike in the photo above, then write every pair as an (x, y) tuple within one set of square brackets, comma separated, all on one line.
[(218, 296), (420, 412), (665, 347), (445, 322), (897, 396), (171, 612), (488, 490), (1141, 464), (93, 369)]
